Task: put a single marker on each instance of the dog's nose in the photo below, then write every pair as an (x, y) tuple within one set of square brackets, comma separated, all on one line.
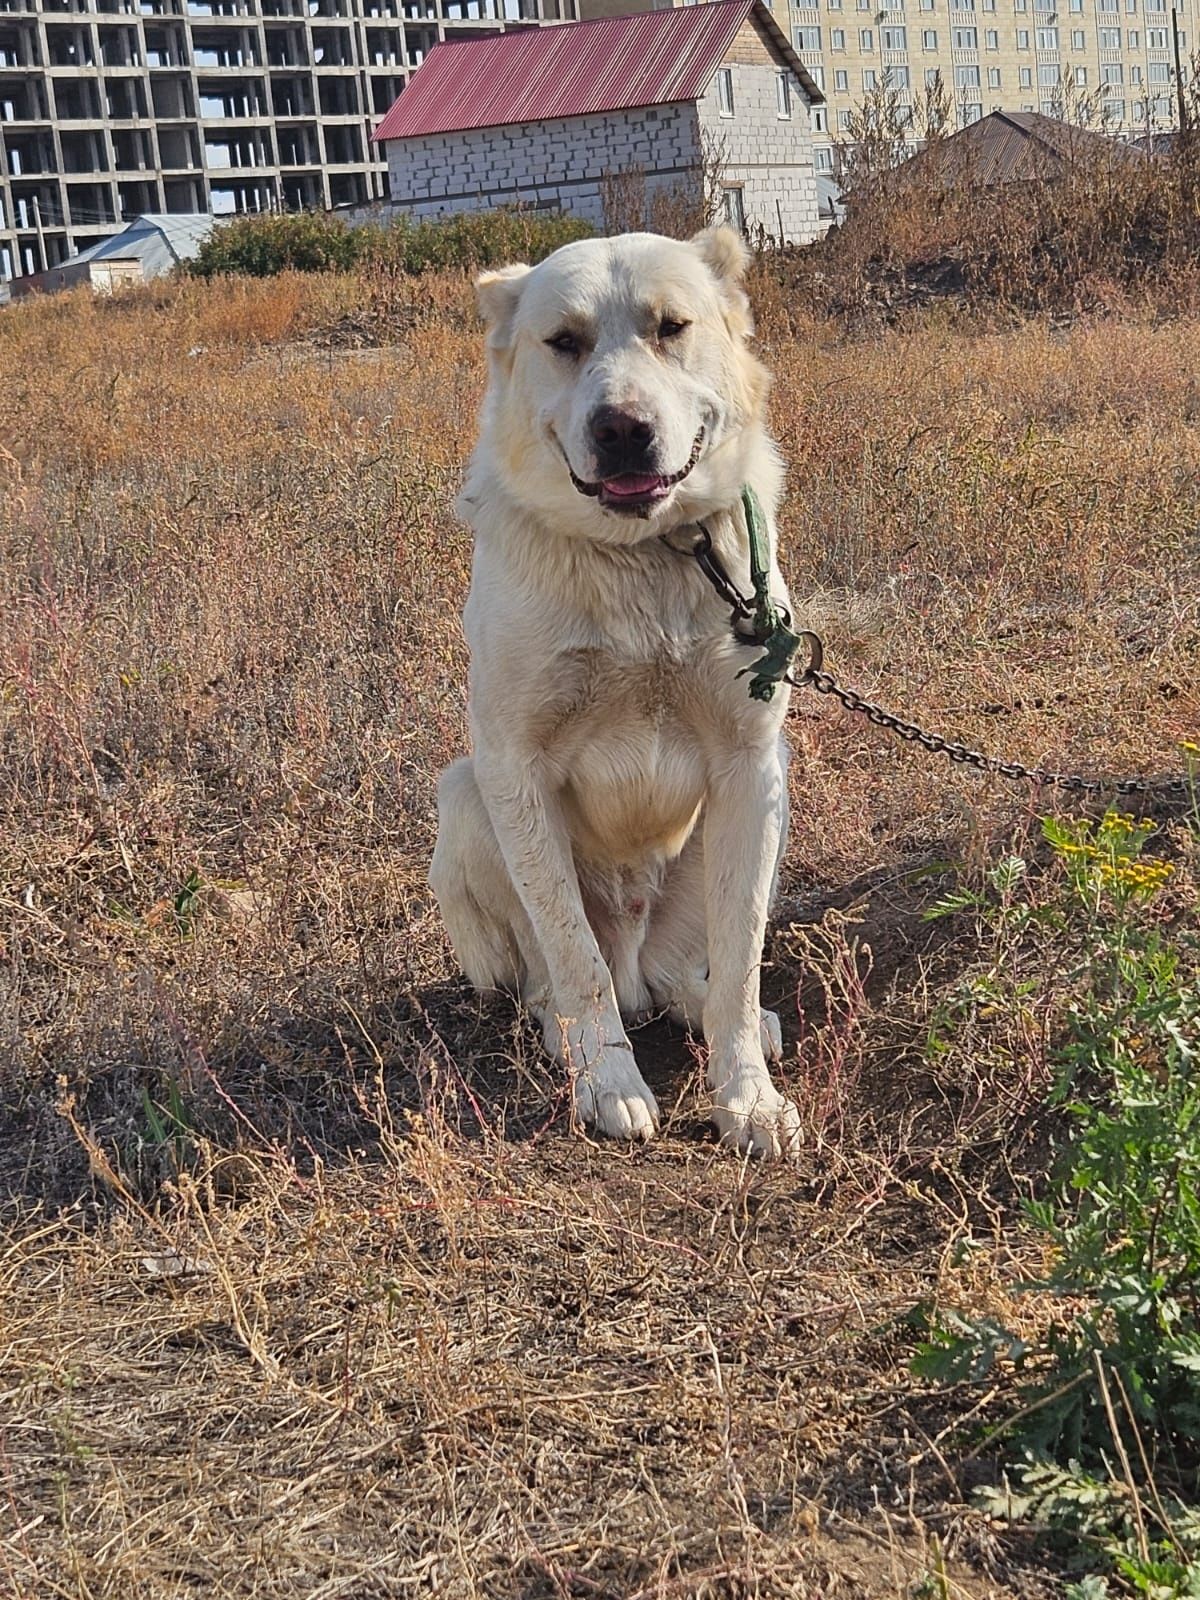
[(622, 438)]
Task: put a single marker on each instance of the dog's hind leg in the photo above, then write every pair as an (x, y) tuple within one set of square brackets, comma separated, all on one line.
[(483, 914)]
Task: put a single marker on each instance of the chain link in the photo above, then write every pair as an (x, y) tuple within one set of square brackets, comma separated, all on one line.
[(825, 683)]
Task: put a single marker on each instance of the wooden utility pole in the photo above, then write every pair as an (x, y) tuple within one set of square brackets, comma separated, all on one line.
[(37, 222), (1179, 87)]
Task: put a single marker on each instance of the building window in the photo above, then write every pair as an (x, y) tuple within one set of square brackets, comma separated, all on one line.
[(835, 5), (1026, 77), (868, 79), (895, 38), (1112, 72), (1022, 38), (866, 40), (897, 78), (966, 38), (1156, 38), (1159, 71), (1078, 40), (971, 112), (926, 5), (734, 206), (1114, 110), (933, 76), (841, 81), (966, 77), (1076, 5), (929, 39), (1047, 38), (818, 117), (783, 95), (837, 38), (1135, 75), (1110, 38), (1047, 75), (808, 38), (992, 39), (1080, 76), (823, 160), (993, 77), (725, 92), (844, 121)]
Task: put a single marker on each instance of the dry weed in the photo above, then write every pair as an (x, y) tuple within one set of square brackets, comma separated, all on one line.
[(306, 1289)]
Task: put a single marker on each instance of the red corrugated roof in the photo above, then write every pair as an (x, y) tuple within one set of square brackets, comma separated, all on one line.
[(613, 64)]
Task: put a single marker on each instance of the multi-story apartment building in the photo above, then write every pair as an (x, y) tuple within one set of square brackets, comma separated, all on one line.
[(113, 108), (1111, 61)]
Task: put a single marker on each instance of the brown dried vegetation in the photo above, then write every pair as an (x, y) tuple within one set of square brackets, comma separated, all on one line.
[(307, 1289)]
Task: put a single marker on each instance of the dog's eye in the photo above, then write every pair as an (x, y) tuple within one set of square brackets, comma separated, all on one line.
[(671, 328), (565, 343)]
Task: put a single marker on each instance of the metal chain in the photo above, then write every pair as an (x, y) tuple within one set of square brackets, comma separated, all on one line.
[(814, 677)]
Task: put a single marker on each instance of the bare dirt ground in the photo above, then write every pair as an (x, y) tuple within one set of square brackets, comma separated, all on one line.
[(307, 1286)]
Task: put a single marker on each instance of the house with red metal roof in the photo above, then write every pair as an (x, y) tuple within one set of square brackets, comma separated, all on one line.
[(621, 120)]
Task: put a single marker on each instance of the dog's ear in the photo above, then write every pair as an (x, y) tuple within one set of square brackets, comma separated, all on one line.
[(497, 294), (726, 255)]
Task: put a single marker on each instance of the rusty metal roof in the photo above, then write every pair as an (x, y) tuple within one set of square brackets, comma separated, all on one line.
[(1008, 146), (570, 70)]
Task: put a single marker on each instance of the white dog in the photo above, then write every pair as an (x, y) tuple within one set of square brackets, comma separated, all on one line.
[(612, 845)]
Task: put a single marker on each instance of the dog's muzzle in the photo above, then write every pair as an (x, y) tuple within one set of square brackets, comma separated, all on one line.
[(635, 493)]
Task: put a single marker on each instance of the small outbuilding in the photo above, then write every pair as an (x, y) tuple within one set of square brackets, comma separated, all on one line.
[(150, 246), (609, 119), (1014, 147)]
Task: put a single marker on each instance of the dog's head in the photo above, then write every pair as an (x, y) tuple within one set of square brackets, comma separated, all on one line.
[(622, 398)]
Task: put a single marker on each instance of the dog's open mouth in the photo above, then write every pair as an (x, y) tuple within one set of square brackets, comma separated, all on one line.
[(637, 491)]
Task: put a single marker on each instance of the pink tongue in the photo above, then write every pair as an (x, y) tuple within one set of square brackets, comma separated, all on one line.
[(633, 483)]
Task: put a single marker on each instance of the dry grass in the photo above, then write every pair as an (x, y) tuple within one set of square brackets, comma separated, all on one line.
[(307, 1289)]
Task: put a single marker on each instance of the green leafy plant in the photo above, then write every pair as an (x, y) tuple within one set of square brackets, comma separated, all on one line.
[(1111, 1392), (262, 247)]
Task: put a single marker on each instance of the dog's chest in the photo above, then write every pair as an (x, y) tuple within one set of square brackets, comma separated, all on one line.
[(629, 753)]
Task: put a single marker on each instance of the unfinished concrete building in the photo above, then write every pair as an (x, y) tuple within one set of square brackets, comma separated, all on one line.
[(114, 108)]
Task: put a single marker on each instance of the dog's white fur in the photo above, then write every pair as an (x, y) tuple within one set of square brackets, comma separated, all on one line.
[(612, 844)]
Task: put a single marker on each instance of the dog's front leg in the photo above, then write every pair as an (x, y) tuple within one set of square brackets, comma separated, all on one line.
[(744, 818), (581, 1025)]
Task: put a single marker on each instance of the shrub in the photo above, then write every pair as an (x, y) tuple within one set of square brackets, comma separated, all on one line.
[(261, 247), (1111, 1387), (313, 241)]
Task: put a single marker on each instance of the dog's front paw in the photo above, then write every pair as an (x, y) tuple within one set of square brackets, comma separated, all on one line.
[(612, 1097), (752, 1115)]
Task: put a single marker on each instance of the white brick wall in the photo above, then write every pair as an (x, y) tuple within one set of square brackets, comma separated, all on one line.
[(768, 156), (559, 163), (563, 163)]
